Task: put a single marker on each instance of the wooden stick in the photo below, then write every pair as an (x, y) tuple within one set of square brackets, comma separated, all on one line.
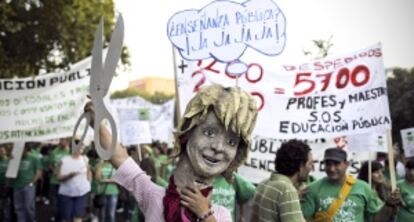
[(177, 94), (14, 163), (139, 153), (369, 168), (391, 160)]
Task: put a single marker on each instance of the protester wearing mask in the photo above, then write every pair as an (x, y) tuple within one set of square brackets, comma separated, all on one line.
[(212, 139)]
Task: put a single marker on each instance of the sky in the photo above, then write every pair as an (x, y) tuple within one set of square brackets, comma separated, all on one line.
[(353, 25)]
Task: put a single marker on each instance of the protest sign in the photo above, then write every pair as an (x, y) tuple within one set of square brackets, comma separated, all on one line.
[(407, 136), (162, 121), (325, 98), (260, 163), (129, 102), (224, 30), (368, 142), (14, 163), (134, 126), (135, 132), (160, 117), (43, 107)]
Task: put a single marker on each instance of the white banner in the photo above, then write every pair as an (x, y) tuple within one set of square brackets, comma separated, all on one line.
[(14, 163), (160, 117), (369, 142), (162, 121), (407, 136), (260, 163), (135, 132), (320, 99), (44, 107)]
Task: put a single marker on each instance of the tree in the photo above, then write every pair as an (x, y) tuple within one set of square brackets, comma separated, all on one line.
[(43, 36), (156, 98), (401, 98), (321, 48)]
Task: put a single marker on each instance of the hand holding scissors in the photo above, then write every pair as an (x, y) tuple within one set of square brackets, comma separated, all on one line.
[(100, 80)]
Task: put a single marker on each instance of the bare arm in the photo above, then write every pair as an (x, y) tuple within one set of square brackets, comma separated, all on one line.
[(63, 178), (384, 214), (37, 176), (120, 154), (89, 173), (389, 209), (98, 175)]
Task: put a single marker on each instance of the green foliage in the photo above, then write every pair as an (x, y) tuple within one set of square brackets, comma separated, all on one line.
[(44, 36), (156, 98), (321, 48), (401, 99)]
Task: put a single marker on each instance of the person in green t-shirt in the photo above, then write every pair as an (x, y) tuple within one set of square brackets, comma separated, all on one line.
[(55, 156), (406, 210), (24, 185), (107, 187), (160, 158), (361, 204), (379, 184), (37, 154), (5, 189), (228, 194)]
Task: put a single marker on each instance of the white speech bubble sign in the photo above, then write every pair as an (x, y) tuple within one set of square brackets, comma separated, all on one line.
[(224, 29), (14, 163)]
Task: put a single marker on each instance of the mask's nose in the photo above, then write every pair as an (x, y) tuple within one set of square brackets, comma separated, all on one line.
[(217, 145)]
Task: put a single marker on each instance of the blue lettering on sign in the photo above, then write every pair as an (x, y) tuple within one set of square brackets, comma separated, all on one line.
[(224, 29)]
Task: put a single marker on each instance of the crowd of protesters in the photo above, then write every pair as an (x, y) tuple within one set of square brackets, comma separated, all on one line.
[(78, 186), (68, 182)]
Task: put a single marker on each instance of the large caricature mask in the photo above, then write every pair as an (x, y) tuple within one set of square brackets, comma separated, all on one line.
[(215, 130)]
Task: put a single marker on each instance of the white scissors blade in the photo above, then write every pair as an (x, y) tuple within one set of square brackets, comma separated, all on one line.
[(114, 52), (96, 66)]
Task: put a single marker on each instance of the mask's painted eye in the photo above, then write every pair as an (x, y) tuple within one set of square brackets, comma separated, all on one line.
[(232, 142), (209, 132)]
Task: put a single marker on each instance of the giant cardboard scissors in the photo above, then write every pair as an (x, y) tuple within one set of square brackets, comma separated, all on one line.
[(101, 77)]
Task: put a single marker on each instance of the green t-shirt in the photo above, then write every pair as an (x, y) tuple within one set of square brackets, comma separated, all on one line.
[(407, 194), (159, 160), (161, 182), (54, 159), (226, 194), (388, 177), (45, 162), (29, 165), (94, 184), (4, 163), (36, 153), (107, 171), (361, 203)]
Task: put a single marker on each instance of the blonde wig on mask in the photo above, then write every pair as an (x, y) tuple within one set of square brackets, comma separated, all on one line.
[(233, 107)]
